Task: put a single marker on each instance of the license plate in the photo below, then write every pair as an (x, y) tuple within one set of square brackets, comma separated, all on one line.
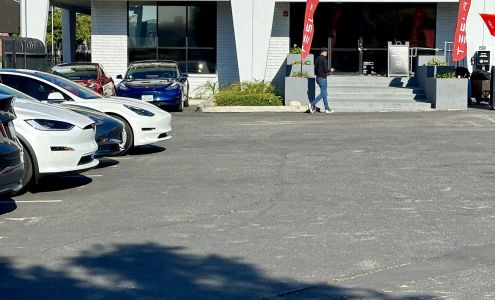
[(147, 97)]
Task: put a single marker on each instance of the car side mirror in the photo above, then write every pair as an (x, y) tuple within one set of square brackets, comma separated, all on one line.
[(119, 76), (55, 96), (183, 76)]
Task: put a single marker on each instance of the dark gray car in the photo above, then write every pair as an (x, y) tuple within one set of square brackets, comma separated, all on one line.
[(11, 162)]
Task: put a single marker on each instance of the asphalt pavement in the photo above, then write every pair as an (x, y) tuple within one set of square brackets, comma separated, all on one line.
[(268, 206)]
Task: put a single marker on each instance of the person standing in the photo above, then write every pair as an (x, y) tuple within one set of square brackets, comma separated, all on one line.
[(321, 72)]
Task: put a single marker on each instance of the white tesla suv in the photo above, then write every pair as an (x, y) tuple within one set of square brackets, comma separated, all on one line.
[(144, 123), (56, 141)]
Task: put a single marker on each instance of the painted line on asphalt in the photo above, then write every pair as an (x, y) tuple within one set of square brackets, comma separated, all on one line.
[(30, 201), (22, 219), (89, 175), (488, 118)]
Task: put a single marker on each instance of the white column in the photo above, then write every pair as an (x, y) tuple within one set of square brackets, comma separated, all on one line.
[(34, 18), (253, 21), (109, 36)]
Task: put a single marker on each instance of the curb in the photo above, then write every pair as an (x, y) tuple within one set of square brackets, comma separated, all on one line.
[(294, 106)]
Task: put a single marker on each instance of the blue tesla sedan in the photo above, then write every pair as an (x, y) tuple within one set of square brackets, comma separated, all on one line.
[(158, 82)]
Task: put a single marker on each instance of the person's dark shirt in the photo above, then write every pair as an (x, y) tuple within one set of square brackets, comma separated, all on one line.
[(321, 67)]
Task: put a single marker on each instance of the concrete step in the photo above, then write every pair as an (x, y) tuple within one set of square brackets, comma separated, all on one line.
[(379, 107), (363, 81), (375, 90), (388, 97)]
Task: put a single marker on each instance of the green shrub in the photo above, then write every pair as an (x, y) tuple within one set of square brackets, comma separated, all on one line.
[(300, 74), (258, 93), (435, 61), (447, 75), (295, 50)]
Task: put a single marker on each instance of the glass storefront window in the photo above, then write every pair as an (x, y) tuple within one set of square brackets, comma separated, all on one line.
[(198, 34), (142, 25), (172, 26), (185, 32)]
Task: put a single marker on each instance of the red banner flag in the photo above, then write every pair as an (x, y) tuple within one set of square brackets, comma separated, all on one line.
[(490, 22), (308, 27), (460, 41)]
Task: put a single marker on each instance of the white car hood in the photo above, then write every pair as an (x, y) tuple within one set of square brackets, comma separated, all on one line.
[(137, 103), (29, 109)]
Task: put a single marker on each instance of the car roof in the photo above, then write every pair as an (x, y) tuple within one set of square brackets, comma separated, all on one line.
[(77, 64), (162, 62)]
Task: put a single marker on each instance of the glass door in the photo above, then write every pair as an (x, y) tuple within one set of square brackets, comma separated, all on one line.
[(345, 51)]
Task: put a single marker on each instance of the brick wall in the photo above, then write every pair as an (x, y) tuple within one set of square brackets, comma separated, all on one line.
[(279, 47)]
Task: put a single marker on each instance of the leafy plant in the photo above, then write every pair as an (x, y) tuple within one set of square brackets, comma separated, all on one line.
[(447, 75), (435, 61), (295, 50), (256, 93), (301, 74), (207, 91)]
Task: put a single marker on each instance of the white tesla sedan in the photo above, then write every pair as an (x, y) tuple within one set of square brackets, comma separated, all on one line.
[(56, 141), (144, 123)]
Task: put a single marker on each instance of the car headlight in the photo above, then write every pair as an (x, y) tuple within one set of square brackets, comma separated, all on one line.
[(50, 125), (140, 111), (173, 86)]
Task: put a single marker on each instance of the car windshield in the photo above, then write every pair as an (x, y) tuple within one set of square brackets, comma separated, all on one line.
[(10, 91), (151, 71), (69, 86), (76, 72)]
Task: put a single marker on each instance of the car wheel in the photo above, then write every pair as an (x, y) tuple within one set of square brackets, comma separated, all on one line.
[(127, 137), (27, 177)]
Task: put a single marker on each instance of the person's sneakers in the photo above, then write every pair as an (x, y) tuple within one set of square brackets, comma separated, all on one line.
[(329, 111), (310, 109)]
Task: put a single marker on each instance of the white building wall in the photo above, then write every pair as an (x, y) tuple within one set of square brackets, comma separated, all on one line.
[(279, 47), (109, 36), (477, 32)]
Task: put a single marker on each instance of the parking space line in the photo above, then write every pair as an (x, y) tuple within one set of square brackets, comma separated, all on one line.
[(30, 201), (89, 175)]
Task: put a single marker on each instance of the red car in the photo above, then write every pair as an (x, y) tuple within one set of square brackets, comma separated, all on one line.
[(90, 75)]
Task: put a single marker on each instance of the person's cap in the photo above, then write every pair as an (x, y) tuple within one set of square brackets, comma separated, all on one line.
[(324, 50)]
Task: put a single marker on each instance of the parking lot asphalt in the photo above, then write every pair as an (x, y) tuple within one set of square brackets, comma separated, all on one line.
[(266, 205)]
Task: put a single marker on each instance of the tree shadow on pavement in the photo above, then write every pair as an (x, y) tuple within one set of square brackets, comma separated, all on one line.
[(153, 271)]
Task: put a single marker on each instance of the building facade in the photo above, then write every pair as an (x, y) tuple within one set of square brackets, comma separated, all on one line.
[(237, 40)]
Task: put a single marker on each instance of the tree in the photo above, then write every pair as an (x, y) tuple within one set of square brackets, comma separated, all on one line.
[(57, 29), (83, 29)]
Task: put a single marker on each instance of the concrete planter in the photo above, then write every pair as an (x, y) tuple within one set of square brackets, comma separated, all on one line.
[(424, 72), (291, 69), (447, 93), (292, 58), (299, 89)]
